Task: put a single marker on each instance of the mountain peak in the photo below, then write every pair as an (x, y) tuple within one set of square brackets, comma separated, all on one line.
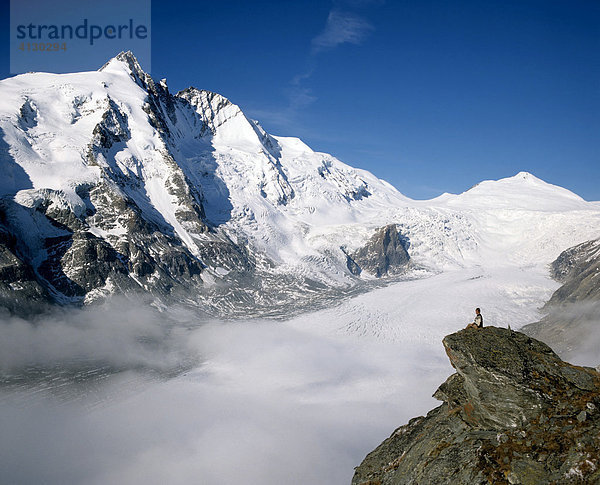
[(525, 176), (126, 57), (126, 61), (521, 177), (521, 191)]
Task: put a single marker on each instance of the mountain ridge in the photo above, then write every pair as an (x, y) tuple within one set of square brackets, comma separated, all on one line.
[(117, 185)]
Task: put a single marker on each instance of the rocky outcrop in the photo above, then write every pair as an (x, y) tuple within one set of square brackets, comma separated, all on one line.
[(578, 268), (20, 291), (571, 323), (514, 413), (384, 254)]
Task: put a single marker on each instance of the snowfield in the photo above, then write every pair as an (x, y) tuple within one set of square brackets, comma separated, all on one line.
[(295, 206)]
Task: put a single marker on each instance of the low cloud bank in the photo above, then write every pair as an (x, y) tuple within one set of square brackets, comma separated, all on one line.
[(244, 402), (573, 331), (175, 397), (119, 334)]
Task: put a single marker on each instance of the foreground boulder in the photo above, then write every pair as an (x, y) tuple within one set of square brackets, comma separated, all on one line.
[(514, 413)]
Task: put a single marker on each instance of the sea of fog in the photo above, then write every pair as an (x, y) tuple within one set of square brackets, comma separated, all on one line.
[(123, 393)]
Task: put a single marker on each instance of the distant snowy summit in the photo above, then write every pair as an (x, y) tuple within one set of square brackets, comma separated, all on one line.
[(112, 184), (523, 191)]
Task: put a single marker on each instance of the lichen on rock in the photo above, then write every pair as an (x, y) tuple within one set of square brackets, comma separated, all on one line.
[(512, 413)]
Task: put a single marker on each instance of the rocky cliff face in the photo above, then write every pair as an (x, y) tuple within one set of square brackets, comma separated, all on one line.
[(19, 286), (384, 254), (514, 413), (578, 268), (572, 321)]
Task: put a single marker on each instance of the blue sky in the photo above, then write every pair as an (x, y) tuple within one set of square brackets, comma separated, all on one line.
[(432, 96)]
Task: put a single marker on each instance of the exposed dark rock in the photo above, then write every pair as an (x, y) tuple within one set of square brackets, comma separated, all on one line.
[(20, 291), (578, 268), (352, 265), (513, 413), (384, 254), (28, 118), (572, 320), (113, 127), (356, 192)]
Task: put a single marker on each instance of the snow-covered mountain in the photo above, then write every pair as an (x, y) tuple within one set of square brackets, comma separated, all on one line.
[(114, 185)]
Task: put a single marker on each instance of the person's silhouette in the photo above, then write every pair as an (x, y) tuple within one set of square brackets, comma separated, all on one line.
[(478, 322)]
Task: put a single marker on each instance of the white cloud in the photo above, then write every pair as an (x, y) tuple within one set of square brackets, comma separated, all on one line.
[(254, 402), (341, 28), (269, 403), (117, 334)]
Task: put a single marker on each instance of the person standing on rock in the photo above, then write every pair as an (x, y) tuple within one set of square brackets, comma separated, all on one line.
[(478, 322)]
